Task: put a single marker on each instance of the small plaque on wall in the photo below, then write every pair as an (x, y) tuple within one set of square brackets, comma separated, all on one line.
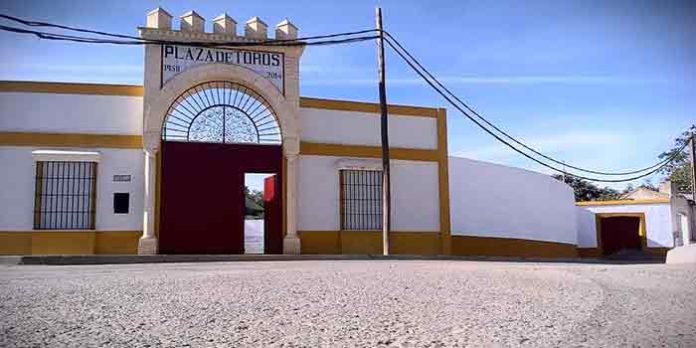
[(122, 178)]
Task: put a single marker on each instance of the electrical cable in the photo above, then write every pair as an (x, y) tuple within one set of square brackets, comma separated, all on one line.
[(64, 27), (312, 41), (451, 102), (134, 40), (405, 51), (81, 39)]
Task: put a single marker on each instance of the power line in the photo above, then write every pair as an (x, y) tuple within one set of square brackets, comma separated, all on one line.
[(296, 42), (496, 136), (318, 40), (416, 62), (102, 33), (329, 39)]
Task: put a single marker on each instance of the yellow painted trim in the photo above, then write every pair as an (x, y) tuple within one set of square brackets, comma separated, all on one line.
[(415, 243), (71, 140), (642, 232), (68, 242), (322, 149), (319, 242), (112, 243), (347, 105), (443, 183), (362, 242), (623, 202), (71, 88), (369, 242), (137, 91), (510, 247)]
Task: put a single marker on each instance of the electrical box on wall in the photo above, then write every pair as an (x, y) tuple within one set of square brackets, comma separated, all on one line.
[(121, 202)]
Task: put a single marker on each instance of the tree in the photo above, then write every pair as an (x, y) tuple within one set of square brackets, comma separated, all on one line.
[(253, 201), (587, 191), (678, 170)]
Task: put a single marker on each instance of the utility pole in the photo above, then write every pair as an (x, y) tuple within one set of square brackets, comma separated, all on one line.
[(386, 179)]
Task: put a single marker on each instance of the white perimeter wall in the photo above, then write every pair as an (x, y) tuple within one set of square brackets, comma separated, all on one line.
[(490, 200), (415, 197), (361, 128), (17, 180), (70, 113), (658, 223)]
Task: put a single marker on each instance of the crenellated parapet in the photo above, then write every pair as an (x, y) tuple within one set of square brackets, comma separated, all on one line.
[(192, 26)]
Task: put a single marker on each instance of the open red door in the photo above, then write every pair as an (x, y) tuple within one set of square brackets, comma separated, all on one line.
[(273, 217)]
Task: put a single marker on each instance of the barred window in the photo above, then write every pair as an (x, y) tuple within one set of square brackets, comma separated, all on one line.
[(361, 199), (65, 195)]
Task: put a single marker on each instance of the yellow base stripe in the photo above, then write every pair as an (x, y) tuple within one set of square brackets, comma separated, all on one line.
[(68, 242), (510, 247), (369, 242), (322, 149), (71, 140)]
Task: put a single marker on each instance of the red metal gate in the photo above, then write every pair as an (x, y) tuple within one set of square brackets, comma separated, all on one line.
[(202, 197)]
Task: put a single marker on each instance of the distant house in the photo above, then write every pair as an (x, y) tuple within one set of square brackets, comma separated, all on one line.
[(645, 193), (643, 219)]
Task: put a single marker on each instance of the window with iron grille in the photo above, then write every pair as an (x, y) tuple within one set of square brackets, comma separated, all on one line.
[(65, 195), (361, 199)]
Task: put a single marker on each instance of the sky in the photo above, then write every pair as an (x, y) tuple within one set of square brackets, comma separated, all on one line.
[(604, 85)]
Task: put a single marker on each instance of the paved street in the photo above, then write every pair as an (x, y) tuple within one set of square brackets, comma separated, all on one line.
[(348, 303)]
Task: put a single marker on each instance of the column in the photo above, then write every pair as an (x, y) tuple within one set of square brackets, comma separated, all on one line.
[(291, 242), (148, 242)]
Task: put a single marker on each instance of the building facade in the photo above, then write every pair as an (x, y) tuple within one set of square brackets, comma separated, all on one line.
[(158, 168)]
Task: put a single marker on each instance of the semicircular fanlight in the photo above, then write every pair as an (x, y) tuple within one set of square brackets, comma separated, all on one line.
[(221, 112)]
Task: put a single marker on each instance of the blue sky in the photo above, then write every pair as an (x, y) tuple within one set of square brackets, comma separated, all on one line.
[(600, 84)]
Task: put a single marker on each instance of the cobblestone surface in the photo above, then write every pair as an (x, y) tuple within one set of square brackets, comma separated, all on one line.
[(347, 304)]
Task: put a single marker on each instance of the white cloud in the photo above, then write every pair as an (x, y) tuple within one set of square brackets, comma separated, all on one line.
[(547, 144), (489, 80)]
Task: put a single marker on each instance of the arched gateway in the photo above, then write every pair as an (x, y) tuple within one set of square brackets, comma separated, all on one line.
[(212, 135), (211, 115)]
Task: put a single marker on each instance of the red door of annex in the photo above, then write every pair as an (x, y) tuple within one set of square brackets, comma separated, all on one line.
[(202, 197)]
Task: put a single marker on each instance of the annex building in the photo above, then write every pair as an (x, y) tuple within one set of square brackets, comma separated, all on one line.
[(159, 168)]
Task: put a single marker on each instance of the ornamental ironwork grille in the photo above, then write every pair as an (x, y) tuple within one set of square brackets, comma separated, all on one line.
[(221, 112), (65, 196), (361, 199)]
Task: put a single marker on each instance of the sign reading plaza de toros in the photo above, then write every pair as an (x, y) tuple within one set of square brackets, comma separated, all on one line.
[(177, 59)]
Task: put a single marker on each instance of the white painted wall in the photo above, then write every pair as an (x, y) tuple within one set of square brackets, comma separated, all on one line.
[(361, 128), (415, 195), (587, 228), (683, 221), (658, 223), (491, 200), (70, 113), (17, 180)]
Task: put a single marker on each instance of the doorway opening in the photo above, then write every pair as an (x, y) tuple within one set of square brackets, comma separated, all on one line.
[(258, 196), (620, 235)]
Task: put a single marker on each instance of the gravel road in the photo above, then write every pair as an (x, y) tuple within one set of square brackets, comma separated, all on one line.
[(348, 304)]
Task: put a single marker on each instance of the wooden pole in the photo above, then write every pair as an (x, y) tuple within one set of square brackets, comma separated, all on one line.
[(386, 179)]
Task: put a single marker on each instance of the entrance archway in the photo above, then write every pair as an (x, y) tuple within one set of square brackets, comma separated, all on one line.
[(213, 134)]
